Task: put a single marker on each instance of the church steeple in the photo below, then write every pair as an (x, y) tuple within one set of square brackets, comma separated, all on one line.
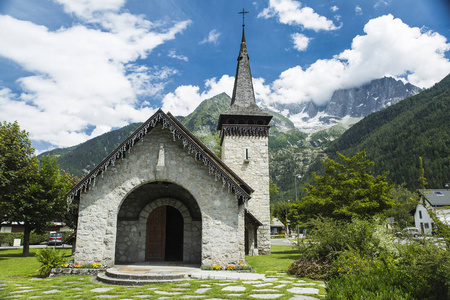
[(243, 109), (244, 137), (243, 93)]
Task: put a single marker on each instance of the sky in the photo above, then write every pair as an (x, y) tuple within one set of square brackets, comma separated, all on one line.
[(71, 70)]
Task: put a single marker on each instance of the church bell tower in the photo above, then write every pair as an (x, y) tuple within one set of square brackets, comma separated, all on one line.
[(244, 133)]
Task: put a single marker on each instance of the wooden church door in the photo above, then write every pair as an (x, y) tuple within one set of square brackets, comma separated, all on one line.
[(156, 236), (165, 227)]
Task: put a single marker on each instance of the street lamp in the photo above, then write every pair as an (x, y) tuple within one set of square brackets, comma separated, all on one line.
[(297, 176), (289, 201)]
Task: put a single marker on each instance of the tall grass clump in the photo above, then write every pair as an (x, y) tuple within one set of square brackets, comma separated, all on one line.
[(49, 258)]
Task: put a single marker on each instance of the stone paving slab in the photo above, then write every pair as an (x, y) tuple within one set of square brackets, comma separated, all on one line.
[(301, 290)]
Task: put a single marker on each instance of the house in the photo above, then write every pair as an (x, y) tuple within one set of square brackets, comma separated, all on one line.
[(162, 195), (437, 200), (276, 226), (14, 227)]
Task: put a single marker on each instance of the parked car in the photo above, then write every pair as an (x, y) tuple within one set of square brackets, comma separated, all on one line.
[(55, 238), (411, 231)]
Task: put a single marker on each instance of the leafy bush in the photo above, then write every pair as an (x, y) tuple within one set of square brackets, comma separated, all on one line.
[(311, 268), (331, 237), (426, 270), (421, 271), (375, 281), (49, 258)]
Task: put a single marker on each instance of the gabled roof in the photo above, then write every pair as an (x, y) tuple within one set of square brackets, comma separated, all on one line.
[(193, 145), (438, 197)]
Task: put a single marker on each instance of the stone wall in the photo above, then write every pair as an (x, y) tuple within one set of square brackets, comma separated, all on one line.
[(222, 219), (255, 172)]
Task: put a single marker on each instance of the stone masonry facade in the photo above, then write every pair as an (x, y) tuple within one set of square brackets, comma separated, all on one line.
[(254, 171), (216, 238)]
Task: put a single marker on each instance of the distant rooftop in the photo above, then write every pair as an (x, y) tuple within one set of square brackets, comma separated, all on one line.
[(438, 197)]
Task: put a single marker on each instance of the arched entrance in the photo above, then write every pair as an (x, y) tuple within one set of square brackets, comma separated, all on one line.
[(158, 221), (164, 238)]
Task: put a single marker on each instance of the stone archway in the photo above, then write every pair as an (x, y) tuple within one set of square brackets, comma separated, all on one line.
[(164, 237), (182, 218)]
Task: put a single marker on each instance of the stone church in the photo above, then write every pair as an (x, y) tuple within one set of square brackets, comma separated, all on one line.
[(162, 195)]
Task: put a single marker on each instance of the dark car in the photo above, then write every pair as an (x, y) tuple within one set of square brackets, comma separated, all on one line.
[(55, 238)]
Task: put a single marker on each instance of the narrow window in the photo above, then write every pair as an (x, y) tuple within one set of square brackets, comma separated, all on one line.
[(420, 214), (246, 154)]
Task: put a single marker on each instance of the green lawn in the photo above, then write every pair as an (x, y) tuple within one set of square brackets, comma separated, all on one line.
[(12, 264), (281, 258)]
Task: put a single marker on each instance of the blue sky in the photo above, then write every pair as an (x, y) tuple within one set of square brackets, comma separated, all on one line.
[(71, 70)]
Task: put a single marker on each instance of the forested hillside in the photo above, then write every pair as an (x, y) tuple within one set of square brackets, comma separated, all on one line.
[(397, 136)]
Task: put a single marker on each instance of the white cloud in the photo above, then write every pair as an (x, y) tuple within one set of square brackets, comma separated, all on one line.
[(173, 54), (212, 38), (290, 12), (358, 10), (300, 41), (334, 8), (86, 8), (83, 76), (381, 2), (187, 97), (388, 48)]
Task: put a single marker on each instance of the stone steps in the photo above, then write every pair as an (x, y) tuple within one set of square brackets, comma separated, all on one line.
[(112, 276)]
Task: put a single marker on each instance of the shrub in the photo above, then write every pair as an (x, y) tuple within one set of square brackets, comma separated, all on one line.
[(49, 258), (331, 237), (422, 271), (311, 268), (426, 270)]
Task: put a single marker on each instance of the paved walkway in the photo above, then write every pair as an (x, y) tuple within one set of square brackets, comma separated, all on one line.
[(223, 285)]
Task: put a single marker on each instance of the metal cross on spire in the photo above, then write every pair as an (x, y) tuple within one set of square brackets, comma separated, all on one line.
[(243, 12)]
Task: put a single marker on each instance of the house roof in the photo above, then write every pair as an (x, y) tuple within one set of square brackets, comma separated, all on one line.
[(276, 223), (438, 197), (193, 145)]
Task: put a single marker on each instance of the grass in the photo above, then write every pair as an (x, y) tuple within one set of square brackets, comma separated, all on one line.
[(12, 264), (19, 280), (281, 258)]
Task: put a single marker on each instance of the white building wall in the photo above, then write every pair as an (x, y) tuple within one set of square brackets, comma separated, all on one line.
[(423, 220)]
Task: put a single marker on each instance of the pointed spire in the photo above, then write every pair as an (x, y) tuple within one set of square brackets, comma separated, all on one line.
[(243, 93), (243, 109)]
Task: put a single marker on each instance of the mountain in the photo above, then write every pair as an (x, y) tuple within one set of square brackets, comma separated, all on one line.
[(348, 105), (395, 138), (82, 158), (202, 122), (291, 151)]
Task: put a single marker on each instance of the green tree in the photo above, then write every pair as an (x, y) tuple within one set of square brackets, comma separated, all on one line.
[(70, 216), (18, 173), (405, 201), (273, 189), (30, 192), (345, 191), (47, 200), (280, 210)]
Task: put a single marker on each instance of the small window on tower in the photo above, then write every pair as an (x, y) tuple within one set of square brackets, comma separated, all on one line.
[(247, 155)]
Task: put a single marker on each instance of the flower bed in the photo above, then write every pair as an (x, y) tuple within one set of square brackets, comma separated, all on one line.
[(240, 266), (72, 269)]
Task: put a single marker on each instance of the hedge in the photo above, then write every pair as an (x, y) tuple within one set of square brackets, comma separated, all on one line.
[(35, 239)]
